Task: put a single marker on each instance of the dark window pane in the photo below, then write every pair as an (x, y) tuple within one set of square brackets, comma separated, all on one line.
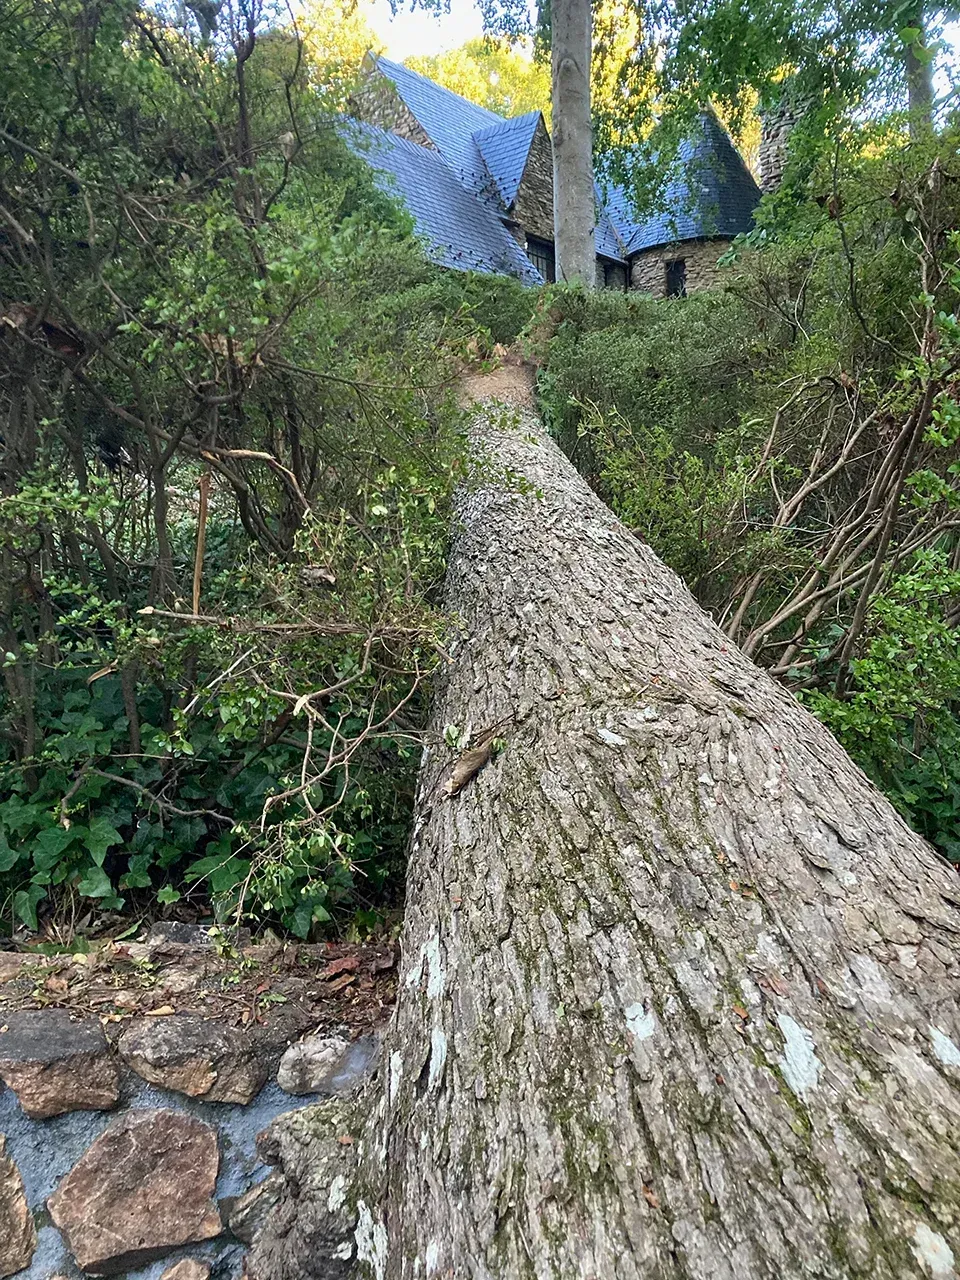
[(541, 254), (614, 276), (677, 278)]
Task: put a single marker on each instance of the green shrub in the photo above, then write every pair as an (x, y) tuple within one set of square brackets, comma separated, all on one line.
[(899, 718), (231, 307)]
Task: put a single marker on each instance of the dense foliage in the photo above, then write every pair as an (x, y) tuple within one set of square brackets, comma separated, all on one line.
[(790, 446), (491, 73), (227, 446)]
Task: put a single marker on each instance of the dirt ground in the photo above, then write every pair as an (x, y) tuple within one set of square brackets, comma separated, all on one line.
[(275, 989)]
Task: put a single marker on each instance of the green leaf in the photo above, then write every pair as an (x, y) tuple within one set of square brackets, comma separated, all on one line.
[(302, 919), (168, 894), (8, 857), (101, 835), (96, 884), (25, 903), (51, 844)]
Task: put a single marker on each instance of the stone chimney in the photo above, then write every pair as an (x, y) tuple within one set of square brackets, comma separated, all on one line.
[(776, 125)]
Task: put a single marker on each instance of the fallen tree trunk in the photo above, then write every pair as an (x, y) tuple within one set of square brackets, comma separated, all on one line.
[(679, 987)]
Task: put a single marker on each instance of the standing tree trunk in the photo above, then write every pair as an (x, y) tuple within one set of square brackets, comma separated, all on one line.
[(574, 201), (919, 75), (679, 987)]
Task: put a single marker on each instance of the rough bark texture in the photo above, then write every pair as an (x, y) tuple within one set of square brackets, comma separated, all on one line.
[(679, 987), (573, 191), (919, 75)]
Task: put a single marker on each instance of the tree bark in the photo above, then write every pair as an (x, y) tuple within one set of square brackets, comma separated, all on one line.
[(574, 201), (919, 75), (679, 986)]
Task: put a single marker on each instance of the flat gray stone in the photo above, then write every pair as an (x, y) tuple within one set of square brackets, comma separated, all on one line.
[(55, 1065), (200, 1057), (180, 933), (328, 1064)]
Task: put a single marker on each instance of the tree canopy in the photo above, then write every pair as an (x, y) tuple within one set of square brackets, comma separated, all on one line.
[(492, 73)]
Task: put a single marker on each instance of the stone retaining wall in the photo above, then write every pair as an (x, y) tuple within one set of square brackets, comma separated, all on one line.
[(128, 1141)]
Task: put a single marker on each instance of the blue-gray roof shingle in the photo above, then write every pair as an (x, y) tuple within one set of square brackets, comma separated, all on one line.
[(713, 195), (448, 120), (457, 229), (504, 147)]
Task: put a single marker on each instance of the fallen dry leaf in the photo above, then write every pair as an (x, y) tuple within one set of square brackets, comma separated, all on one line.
[(164, 1011), (338, 984), (345, 965), (469, 764)]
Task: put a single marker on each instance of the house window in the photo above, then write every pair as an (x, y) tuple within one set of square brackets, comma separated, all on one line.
[(614, 276), (676, 278), (541, 254)]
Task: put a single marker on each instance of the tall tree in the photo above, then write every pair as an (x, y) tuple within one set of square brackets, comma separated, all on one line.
[(336, 35), (873, 53), (679, 987), (574, 204)]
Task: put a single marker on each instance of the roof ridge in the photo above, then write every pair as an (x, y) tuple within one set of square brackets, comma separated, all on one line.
[(402, 66), (507, 120)]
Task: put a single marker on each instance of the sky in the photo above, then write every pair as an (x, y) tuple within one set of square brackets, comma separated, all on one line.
[(420, 32)]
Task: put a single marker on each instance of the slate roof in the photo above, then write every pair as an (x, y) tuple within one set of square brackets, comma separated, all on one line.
[(504, 147), (459, 194), (456, 228), (449, 121), (713, 195), (606, 240)]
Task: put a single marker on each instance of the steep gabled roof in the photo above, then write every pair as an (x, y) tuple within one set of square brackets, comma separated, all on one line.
[(459, 193), (457, 229), (504, 147), (449, 120), (607, 242), (712, 195)]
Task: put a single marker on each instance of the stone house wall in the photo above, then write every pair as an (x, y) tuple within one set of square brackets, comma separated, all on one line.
[(533, 207), (377, 102), (776, 126), (648, 270)]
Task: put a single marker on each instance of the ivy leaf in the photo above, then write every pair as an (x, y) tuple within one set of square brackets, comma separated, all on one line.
[(8, 857), (50, 844), (102, 834), (96, 884), (25, 902)]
